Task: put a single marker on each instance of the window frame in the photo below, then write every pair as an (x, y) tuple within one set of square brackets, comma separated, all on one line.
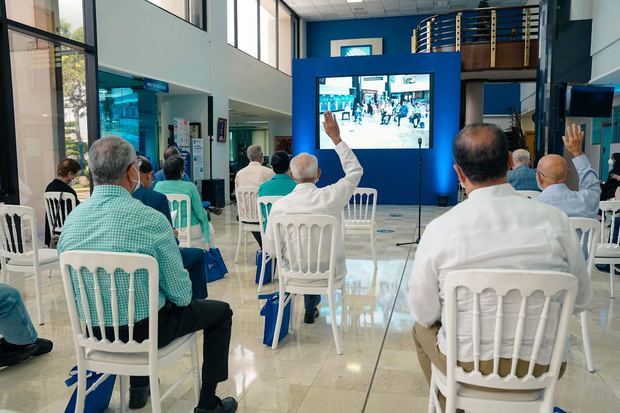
[(187, 8), (9, 181), (295, 43)]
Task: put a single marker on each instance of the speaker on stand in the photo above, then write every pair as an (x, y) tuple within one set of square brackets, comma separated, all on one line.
[(212, 189)]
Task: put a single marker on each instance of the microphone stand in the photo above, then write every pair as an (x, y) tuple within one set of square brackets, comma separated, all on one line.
[(419, 229)]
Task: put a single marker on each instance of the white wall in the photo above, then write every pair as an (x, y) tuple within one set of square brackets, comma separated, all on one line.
[(138, 38), (605, 48), (528, 96)]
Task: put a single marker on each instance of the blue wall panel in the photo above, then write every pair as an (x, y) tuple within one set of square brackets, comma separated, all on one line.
[(395, 31), (394, 172), (499, 98)]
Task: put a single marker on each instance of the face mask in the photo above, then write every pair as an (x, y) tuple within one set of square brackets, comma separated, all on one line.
[(74, 181), (610, 162), (138, 181)]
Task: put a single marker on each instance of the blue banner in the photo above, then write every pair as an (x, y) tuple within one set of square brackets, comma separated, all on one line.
[(156, 85)]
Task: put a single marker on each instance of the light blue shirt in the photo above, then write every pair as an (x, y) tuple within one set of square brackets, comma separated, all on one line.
[(523, 178), (583, 203), (159, 177)]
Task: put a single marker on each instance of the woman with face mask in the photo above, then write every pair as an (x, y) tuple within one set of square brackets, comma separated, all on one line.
[(67, 174), (613, 181)]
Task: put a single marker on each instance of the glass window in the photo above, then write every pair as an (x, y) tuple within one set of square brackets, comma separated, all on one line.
[(247, 26), (196, 13), (285, 41), (268, 46), (64, 17), (230, 16), (176, 7), (49, 100)]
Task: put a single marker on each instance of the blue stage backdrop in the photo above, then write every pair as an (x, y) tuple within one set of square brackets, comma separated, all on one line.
[(393, 172)]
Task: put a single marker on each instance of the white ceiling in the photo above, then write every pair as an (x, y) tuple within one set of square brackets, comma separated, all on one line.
[(314, 10)]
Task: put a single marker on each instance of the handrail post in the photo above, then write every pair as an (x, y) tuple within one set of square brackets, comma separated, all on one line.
[(526, 48), (428, 36), (414, 41), (493, 36), (458, 32)]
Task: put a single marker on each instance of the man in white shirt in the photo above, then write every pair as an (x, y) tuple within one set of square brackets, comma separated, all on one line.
[(552, 172), (254, 175), (494, 228), (306, 198)]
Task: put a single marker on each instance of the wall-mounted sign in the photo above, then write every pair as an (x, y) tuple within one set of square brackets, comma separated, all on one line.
[(156, 85), (181, 132), (221, 129)]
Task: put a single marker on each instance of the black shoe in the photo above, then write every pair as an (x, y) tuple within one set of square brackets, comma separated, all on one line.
[(139, 397), (11, 355), (228, 405), (216, 211), (311, 315)]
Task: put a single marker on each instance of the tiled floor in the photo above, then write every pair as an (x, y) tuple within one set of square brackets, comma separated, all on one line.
[(378, 370)]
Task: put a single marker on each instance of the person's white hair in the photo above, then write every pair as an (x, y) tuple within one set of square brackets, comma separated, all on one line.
[(304, 167), (521, 156), (255, 153), (108, 159)]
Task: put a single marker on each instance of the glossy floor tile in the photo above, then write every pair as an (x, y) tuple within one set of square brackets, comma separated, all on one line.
[(378, 369)]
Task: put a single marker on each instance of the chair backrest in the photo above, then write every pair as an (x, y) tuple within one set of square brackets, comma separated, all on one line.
[(264, 204), (529, 194), (180, 203), (18, 231), (547, 289), (609, 210), (587, 231), (57, 207), (246, 203), (91, 279), (304, 245), (361, 207)]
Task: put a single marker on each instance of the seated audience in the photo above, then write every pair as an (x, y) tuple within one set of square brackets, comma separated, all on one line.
[(113, 221), (494, 228), (281, 183), (306, 198), (199, 220), (522, 177), (66, 172), (160, 175), (609, 187), (19, 339), (254, 175), (193, 258), (552, 172)]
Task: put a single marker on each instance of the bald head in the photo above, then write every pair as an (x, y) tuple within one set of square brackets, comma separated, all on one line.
[(305, 168), (551, 169), (480, 150)]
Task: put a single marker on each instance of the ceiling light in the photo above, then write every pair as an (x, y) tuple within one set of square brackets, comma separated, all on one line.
[(354, 1)]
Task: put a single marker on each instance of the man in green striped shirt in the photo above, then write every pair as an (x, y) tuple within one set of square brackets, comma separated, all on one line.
[(113, 221)]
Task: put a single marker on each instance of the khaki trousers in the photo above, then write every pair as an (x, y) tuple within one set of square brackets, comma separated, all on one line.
[(425, 339)]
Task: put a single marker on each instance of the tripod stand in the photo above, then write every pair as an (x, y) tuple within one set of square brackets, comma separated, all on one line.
[(419, 229)]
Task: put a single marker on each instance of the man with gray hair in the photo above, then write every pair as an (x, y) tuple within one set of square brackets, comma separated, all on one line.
[(113, 221), (254, 175), (522, 177), (307, 198)]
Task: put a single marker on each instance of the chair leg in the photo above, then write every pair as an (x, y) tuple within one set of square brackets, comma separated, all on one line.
[(332, 311), (37, 289), (124, 387), (585, 334), (49, 274), (238, 244), (245, 246), (155, 396), (196, 369), (276, 333), (80, 400), (612, 270), (373, 246), (263, 266)]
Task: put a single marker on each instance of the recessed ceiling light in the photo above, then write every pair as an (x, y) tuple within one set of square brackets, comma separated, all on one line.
[(354, 1)]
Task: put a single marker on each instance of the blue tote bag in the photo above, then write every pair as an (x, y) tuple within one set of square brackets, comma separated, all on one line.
[(259, 262), (215, 265), (97, 398), (270, 312)]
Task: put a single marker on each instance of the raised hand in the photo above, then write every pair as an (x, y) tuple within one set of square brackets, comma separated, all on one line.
[(573, 140), (331, 127)]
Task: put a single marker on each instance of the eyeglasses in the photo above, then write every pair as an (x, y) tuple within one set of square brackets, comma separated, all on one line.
[(540, 172)]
